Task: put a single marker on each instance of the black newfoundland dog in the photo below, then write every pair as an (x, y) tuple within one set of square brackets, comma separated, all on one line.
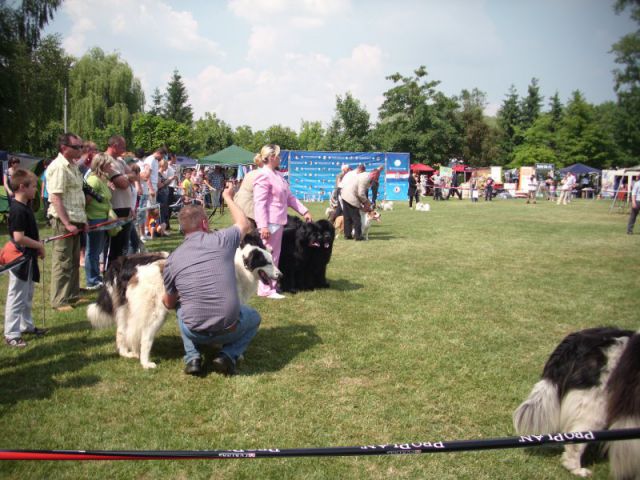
[(306, 251)]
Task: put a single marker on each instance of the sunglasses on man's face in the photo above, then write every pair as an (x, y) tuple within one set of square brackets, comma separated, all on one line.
[(75, 147)]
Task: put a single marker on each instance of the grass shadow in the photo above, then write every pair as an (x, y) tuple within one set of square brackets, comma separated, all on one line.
[(33, 374), (167, 347), (344, 285), (274, 348)]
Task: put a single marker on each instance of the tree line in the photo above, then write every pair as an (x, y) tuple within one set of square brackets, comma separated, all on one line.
[(104, 98)]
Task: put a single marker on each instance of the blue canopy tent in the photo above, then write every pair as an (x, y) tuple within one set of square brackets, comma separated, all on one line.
[(579, 169)]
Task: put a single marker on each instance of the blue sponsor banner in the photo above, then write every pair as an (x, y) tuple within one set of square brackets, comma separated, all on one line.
[(312, 175)]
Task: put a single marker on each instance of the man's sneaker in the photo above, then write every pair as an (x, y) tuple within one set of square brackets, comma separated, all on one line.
[(224, 365), (91, 288), (193, 367), (15, 342), (38, 332)]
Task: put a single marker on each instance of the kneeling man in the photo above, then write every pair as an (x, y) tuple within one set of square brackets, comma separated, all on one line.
[(200, 282)]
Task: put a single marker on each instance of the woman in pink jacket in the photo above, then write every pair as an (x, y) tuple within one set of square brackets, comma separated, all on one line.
[(271, 198)]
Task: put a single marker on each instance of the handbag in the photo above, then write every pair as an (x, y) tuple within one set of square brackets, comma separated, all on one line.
[(9, 253)]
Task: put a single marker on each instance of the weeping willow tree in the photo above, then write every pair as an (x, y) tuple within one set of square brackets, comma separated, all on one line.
[(103, 97)]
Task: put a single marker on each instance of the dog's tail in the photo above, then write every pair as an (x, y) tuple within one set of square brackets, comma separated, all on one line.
[(100, 314), (540, 413), (624, 411)]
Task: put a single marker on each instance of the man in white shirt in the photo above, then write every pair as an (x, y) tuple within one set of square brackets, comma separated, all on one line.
[(152, 165), (635, 206)]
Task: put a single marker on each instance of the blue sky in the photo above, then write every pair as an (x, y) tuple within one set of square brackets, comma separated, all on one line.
[(264, 62)]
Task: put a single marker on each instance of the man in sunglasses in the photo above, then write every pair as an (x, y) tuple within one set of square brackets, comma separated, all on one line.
[(67, 203)]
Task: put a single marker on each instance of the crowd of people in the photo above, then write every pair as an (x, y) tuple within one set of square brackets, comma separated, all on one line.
[(443, 187), (109, 203)]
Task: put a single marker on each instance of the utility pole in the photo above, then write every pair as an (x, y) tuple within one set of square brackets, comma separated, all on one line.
[(65, 110)]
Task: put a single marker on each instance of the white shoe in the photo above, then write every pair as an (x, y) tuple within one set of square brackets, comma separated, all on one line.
[(91, 288), (276, 296)]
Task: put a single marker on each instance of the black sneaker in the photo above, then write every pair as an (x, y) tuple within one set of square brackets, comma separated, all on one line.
[(224, 365), (193, 367), (38, 332)]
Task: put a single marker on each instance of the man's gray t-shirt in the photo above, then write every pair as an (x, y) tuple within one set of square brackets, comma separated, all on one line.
[(202, 272)]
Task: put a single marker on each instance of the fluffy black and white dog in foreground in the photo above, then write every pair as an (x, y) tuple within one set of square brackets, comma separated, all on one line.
[(591, 381), (133, 289), (305, 253)]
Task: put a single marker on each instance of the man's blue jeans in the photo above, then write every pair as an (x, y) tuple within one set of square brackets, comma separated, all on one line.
[(234, 343)]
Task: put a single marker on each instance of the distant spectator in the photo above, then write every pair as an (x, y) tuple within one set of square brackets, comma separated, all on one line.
[(532, 189), (412, 192), (14, 164), (354, 199), (89, 149), (453, 187), (473, 188), (163, 190), (44, 193), (488, 189), (216, 180), (122, 177), (172, 172), (437, 186), (635, 206), (67, 209)]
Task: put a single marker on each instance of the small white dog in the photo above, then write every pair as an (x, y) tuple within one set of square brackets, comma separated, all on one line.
[(365, 219), (423, 207), (386, 205)]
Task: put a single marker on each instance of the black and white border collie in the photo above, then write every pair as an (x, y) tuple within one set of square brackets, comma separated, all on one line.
[(133, 289), (591, 381)]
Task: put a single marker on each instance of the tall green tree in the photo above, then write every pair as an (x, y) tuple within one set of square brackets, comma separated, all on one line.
[(21, 23), (476, 132), (157, 100), (285, 137), (417, 118), (151, 131), (581, 138), (530, 105), (509, 124), (311, 136), (627, 84), (104, 95), (176, 104), (243, 137), (210, 135), (539, 144), (350, 128)]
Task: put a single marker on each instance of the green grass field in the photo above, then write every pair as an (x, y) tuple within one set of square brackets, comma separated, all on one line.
[(435, 329)]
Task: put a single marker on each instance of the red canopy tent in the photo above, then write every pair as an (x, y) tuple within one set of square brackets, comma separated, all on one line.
[(420, 167)]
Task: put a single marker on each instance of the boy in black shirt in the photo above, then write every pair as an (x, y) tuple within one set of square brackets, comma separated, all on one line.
[(24, 234)]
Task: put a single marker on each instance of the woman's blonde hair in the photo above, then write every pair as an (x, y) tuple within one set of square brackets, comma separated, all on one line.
[(99, 165), (269, 150), (257, 160)]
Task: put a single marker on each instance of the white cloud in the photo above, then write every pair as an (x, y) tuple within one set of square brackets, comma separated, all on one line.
[(153, 25), (300, 86), (300, 14), (262, 42)]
